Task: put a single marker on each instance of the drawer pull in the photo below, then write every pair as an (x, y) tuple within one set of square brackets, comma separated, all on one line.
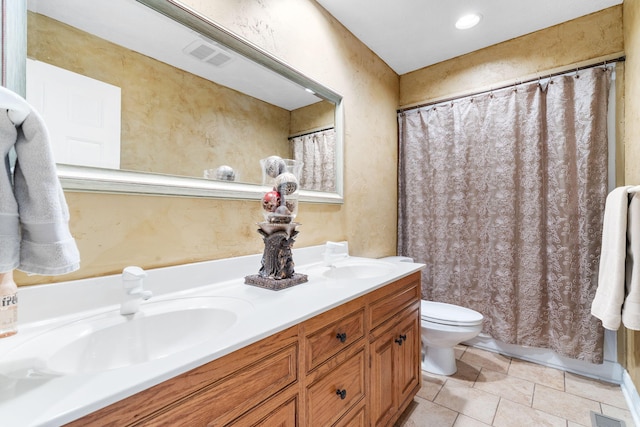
[(341, 336), (400, 339), (342, 393)]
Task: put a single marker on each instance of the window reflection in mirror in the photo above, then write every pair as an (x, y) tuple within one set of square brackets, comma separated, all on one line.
[(172, 121)]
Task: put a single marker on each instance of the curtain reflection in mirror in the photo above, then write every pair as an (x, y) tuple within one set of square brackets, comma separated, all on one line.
[(317, 150)]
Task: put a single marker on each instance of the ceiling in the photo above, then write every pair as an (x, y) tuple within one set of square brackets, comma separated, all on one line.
[(411, 34)]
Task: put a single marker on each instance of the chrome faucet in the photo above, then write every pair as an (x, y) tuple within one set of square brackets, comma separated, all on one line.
[(132, 278)]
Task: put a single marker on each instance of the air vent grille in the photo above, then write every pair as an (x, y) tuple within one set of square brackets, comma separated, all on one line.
[(218, 59), (599, 420), (202, 52), (208, 53)]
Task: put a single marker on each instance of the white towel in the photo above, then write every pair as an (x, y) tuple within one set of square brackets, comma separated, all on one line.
[(32, 203), (9, 222), (607, 304), (631, 307)]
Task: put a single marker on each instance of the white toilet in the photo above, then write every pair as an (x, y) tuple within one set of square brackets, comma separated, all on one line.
[(443, 327)]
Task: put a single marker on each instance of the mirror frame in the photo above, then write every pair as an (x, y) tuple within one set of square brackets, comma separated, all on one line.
[(88, 179)]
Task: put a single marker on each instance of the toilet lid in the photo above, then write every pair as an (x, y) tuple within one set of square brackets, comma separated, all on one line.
[(449, 314)]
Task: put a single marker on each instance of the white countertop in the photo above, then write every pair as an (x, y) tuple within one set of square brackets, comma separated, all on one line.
[(60, 399)]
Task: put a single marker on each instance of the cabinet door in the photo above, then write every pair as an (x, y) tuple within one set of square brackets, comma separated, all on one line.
[(383, 398), (407, 366), (395, 367)]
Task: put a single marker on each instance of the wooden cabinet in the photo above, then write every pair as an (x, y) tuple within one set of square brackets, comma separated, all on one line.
[(355, 365), (215, 393), (335, 364), (394, 378), (395, 352), (223, 401)]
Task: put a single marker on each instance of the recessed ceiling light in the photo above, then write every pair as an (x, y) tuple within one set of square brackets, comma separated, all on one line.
[(468, 21)]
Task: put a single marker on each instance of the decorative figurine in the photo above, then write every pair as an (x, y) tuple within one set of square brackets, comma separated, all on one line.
[(280, 206)]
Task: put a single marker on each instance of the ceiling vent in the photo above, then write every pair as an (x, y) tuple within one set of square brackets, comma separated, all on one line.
[(206, 52)]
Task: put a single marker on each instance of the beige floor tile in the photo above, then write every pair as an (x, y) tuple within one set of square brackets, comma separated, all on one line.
[(538, 374), (459, 350), (428, 414), (464, 421), (465, 375), (566, 405), (512, 388), (608, 393), (572, 424), (621, 414), (486, 359), (469, 401), (431, 385), (511, 414)]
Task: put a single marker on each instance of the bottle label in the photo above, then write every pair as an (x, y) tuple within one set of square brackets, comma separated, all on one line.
[(8, 314), (7, 301)]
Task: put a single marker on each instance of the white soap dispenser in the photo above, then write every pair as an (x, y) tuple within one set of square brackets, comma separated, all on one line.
[(8, 305)]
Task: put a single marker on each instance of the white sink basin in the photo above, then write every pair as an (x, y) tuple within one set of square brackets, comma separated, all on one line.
[(110, 340), (358, 269)]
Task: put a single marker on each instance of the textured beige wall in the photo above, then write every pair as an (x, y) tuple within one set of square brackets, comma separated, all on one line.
[(212, 121), (631, 13), (591, 36), (114, 231), (315, 116)]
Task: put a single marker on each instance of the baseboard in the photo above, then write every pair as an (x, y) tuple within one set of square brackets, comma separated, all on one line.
[(631, 395), (608, 371)]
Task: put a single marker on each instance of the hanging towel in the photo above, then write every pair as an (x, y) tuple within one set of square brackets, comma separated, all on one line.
[(631, 306), (34, 217), (607, 304), (9, 221)]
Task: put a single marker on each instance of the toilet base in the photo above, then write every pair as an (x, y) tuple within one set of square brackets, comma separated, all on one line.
[(439, 361)]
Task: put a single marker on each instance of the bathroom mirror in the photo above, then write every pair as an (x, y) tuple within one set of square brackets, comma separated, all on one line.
[(205, 98)]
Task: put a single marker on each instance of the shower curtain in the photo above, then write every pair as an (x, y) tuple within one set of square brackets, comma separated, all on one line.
[(317, 151), (502, 195)]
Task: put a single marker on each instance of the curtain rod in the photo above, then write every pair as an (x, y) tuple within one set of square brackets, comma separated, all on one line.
[(310, 132), (566, 70)]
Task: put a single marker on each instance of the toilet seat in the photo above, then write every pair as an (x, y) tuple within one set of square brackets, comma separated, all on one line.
[(449, 314)]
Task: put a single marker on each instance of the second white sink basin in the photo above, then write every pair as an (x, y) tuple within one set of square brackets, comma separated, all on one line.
[(110, 340)]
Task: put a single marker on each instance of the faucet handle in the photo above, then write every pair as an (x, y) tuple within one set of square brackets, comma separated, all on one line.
[(132, 277), (133, 273), (334, 251)]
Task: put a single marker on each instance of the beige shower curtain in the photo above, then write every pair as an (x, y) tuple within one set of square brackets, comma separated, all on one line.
[(502, 195), (317, 151)]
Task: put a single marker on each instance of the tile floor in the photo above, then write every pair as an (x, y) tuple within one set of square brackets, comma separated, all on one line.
[(490, 389)]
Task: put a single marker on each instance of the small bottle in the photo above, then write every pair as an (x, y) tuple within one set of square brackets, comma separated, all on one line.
[(8, 305)]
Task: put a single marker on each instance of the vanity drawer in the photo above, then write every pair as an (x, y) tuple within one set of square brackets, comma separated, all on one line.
[(225, 400), (388, 301), (280, 410), (333, 394), (323, 343)]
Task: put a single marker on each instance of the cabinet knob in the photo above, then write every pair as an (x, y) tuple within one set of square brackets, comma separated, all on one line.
[(342, 393), (400, 339), (342, 336)]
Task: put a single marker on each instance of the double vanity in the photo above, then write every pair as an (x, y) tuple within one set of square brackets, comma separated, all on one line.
[(206, 349)]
